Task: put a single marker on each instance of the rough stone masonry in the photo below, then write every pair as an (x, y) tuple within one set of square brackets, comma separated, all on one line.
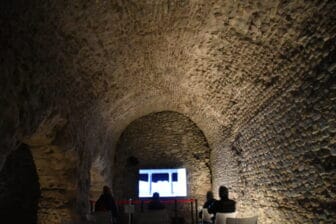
[(248, 88)]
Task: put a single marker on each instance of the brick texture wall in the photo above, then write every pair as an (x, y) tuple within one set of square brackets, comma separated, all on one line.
[(281, 164)]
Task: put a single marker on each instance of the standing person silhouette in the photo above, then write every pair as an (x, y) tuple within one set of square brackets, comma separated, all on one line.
[(155, 203), (224, 205), (106, 203)]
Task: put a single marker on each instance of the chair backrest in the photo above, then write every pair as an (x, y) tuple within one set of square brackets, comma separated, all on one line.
[(249, 220), (221, 217), (206, 216), (152, 217)]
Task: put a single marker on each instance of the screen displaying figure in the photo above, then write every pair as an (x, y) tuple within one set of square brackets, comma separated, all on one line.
[(167, 182)]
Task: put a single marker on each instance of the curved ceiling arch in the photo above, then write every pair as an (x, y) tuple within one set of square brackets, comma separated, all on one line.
[(165, 139), (136, 106)]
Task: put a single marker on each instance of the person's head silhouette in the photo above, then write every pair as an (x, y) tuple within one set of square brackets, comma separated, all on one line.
[(209, 195), (156, 196), (106, 190), (223, 192), (155, 203)]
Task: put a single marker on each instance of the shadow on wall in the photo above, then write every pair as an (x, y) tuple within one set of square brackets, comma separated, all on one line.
[(19, 188)]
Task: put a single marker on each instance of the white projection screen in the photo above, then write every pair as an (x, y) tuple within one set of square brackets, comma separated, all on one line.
[(167, 182)]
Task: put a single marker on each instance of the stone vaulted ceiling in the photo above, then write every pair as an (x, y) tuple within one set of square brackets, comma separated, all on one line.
[(217, 62), (93, 67)]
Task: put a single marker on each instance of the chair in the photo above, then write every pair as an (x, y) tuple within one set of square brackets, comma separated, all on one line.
[(222, 217), (152, 217), (249, 220), (206, 216)]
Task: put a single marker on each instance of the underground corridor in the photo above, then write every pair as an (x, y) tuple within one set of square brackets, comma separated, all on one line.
[(178, 97)]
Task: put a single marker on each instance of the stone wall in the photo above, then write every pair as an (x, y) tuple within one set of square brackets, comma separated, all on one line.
[(103, 64), (56, 169), (162, 140), (281, 164), (59, 170)]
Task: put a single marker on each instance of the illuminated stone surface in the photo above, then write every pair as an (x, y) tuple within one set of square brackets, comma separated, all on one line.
[(162, 140), (256, 77)]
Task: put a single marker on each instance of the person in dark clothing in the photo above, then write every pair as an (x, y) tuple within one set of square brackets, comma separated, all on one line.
[(209, 200), (106, 203), (155, 203), (224, 205)]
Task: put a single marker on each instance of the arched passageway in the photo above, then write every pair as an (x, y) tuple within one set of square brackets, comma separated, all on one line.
[(162, 140), (159, 141), (19, 188), (257, 77)]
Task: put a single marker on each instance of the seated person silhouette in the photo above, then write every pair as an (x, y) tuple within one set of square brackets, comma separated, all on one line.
[(155, 203), (209, 200), (224, 205)]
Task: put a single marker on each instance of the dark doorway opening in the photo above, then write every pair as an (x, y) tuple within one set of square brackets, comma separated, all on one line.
[(19, 188)]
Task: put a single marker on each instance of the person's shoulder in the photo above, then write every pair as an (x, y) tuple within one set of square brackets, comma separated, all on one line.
[(100, 197), (107, 196), (215, 203), (212, 201)]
